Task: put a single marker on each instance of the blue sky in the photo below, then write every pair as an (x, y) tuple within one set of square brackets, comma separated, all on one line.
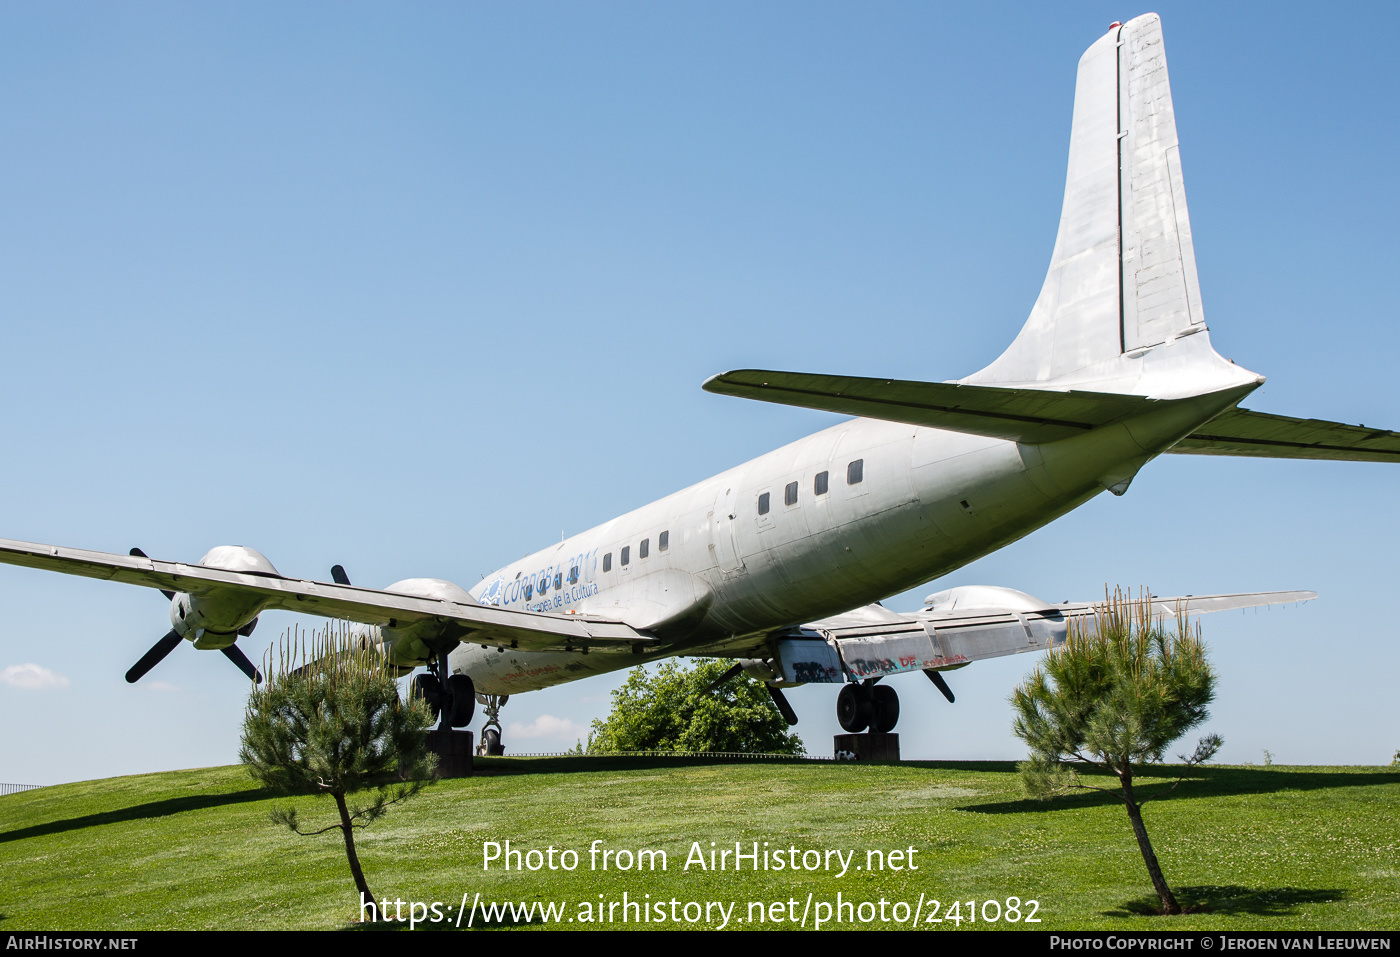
[(414, 288)]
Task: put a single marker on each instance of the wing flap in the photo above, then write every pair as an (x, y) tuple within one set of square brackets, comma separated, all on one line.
[(485, 623), (1243, 432), (1021, 415)]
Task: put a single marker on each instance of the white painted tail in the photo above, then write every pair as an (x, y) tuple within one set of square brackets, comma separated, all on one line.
[(1122, 279)]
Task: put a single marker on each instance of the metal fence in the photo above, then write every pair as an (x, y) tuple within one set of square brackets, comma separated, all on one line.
[(16, 788), (747, 756)]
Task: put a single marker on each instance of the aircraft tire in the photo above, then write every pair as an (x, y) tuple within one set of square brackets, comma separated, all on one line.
[(492, 739), (885, 703), (430, 689), (461, 701), (853, 707)]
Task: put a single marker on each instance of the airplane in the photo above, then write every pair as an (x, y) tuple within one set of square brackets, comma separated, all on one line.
[(781, 562)]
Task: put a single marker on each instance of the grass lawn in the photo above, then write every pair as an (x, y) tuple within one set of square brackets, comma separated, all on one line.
[(1276, 848)]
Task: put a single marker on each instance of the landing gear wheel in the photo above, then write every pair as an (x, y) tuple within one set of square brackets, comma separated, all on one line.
[(491, 739), (430, 690), (462, 696), (885, 703), (853, 707)]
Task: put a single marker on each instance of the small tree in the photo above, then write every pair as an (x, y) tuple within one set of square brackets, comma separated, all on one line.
[(1114, 696), (674, 709), (330, 721)]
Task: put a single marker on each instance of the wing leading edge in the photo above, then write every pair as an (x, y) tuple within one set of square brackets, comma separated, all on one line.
[(484, 623)]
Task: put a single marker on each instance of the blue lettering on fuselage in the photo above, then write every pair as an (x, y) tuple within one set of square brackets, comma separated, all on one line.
[(565, 596), (573, 587)]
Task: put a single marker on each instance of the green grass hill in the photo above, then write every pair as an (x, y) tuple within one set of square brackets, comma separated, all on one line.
[(1279, 848)]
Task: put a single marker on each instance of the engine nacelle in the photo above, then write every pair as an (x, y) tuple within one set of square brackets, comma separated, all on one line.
[(764, 669), (214, 618), (437, 589), (992, 599), (413, 642)]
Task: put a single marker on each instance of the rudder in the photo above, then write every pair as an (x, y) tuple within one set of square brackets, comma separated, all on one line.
[(1122, 276)]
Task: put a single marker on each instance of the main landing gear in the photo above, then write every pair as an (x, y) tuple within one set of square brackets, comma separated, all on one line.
[(865, 704), (453, 701)]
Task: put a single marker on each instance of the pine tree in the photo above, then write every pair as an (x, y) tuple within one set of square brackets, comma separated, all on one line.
[(1114, 696), (330, 721)]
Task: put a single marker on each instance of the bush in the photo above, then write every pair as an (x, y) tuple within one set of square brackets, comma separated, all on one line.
[(675, 709)]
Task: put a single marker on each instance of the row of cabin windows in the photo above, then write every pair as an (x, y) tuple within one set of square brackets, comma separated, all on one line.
[(663, 542), (855, 473)]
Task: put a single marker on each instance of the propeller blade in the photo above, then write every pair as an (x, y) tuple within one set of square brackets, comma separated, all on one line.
[(338, 575), (781, 701), (725, 677), (169, 595), (235, 654), (152, 658), (247, 629), (940, 684)]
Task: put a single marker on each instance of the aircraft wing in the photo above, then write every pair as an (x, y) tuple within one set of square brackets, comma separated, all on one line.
[(1021, 415), (484, 623), (1242, 432), (873, 645)]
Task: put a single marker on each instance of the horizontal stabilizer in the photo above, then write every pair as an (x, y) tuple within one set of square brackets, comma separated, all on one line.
[(1242, 432), (1021, 415)]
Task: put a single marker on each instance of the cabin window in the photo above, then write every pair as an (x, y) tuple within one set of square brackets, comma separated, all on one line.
[(626, 554), (663, 541), (644, 549), (819, 484), (763, 504), (607, 562), (573, 575), (855, 472), (558, 580), (790, 494), (529, 590), (544, 584)]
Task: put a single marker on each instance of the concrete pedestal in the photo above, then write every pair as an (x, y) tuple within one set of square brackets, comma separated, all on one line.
[(454, 752), (869, 745)]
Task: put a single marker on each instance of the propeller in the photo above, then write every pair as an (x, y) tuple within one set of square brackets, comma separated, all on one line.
[(780, 700), (169, 595), (940, 684), (172, 638), (235, 654), (152, 658), (725, 677), (338, 575)]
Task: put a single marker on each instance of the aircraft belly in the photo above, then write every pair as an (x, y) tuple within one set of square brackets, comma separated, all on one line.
[(515, 672)]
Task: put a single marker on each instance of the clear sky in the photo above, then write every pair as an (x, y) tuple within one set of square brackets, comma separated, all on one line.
[(417, 287)]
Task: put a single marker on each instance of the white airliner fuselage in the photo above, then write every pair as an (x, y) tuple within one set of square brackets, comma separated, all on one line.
[(759, 549)]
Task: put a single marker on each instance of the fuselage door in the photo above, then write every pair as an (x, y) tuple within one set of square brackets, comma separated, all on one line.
[(723, 523)]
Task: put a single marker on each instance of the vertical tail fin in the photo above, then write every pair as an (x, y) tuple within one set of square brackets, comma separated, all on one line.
[(1122, 278)]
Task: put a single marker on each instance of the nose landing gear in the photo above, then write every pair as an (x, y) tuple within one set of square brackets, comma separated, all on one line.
[(491, 745)]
